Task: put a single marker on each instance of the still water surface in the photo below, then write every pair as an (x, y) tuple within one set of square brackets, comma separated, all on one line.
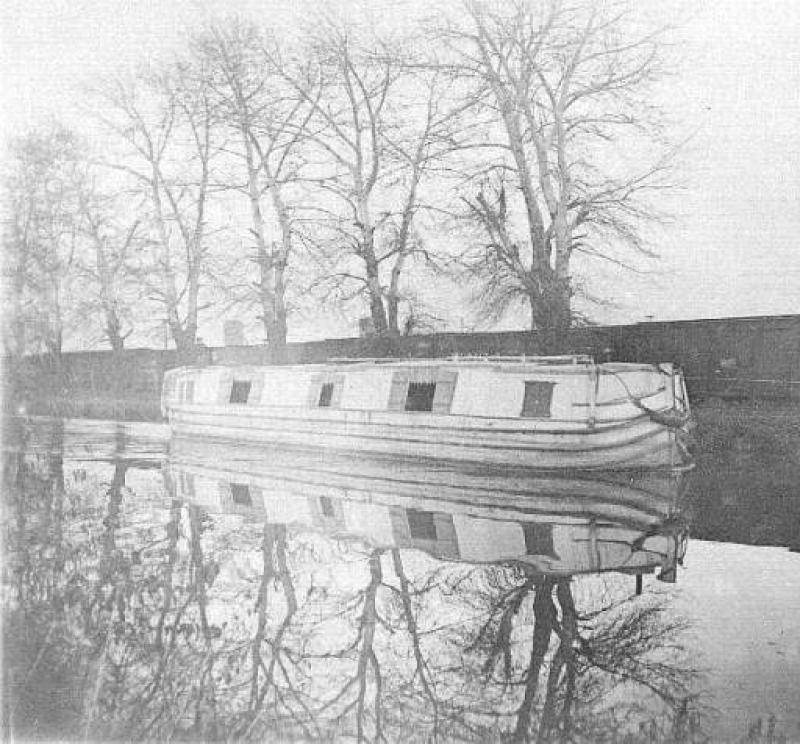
[(192, 590)]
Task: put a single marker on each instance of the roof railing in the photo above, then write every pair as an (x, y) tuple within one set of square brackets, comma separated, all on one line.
[(562, 359), (529, 359), (364, 360)]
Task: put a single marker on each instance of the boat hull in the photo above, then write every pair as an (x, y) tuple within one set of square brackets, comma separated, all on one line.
[(634, 443)]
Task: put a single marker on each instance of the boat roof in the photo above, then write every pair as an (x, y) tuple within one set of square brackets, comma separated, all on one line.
[(564, 359), (510, 362)]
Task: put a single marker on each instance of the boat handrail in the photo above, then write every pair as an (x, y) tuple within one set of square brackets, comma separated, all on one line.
[(527, 359), (521, 359)]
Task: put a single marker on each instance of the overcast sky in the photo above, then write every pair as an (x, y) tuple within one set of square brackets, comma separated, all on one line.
[(733, 248)]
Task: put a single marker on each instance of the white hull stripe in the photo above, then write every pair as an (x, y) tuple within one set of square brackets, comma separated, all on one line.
[(520, 442)]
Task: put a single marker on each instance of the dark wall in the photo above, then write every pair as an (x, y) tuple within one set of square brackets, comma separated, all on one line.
[(732, 357), (513, 343)]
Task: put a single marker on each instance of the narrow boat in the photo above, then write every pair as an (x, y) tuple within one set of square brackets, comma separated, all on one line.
[(540, 412)]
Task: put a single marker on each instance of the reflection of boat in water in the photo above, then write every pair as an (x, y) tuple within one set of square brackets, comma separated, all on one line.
[(304, 608), (557, 525), (547, 412)]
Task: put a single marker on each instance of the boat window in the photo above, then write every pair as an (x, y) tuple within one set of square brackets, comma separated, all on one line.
[(325, 390), (422, 389), (327, 506), (538, 397), (420, 396), (188, 394), (539, 539), (325, 395), (240, 493), (421, 524), (240, 391)]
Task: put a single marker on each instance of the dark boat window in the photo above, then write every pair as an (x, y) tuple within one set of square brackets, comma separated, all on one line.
[(325, 395), (240, 492), (538, 397), (189, 393), (539, 539), (240, 391), (327, 506), (421, 524), (420, 396)]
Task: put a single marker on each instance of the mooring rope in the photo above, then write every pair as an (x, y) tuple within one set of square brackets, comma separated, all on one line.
[(672, 418)]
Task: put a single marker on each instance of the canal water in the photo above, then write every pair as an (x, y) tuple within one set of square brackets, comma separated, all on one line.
[(158, 589)]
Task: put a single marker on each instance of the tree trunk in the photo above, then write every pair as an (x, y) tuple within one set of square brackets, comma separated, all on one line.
[(569, 636), (114, 330), (271, 298), (392, 314), (185, 341), (280, 258), (265, 256), (54, 333), (190, 326), (17, 334), (277, 333), (376, 308), (113, 324), (551, 315), (544, 613), (393, 295)]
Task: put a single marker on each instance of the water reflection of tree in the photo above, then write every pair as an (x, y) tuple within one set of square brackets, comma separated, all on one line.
[(138, 621), (34, 507), (81, 599), (587, 676), (273, 691)]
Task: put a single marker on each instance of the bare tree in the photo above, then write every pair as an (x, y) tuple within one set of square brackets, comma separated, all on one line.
[(371, 141), (564, 88), (17, 261), (426, 123), (40, 236), (268, 121), (348, 94), (165, 122), (112, 237)]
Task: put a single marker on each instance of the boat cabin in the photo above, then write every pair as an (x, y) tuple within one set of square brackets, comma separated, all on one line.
[(560, 388)]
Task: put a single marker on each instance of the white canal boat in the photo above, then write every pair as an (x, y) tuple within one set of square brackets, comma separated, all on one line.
[(537, 412)]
